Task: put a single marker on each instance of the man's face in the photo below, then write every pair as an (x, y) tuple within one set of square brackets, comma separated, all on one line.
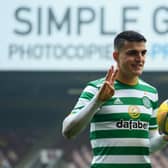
[(131, 58)]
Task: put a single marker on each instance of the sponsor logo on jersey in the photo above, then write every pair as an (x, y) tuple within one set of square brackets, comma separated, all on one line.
[(134, 111), (146, 101), (131, 124), (118, 101)]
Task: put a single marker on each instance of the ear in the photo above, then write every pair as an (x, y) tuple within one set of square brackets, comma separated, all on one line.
[(115, 55)]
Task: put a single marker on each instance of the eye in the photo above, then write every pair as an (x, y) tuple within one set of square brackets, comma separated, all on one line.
[(143, 52), (132, 52), (136, 52)]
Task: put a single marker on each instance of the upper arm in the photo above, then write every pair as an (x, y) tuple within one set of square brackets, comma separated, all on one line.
[(87, 94)]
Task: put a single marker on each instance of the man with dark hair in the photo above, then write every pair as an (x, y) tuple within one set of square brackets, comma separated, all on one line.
[(127, 36), (121, 109)]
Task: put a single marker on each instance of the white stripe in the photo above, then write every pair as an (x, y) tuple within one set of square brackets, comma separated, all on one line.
[(125, 93), (142, 142), (111, 126), (81, 102), (135, 93), (143, 83), (103, 126), (90, 89), (146, 84), (153, 126), (122, 108), (121, 159)]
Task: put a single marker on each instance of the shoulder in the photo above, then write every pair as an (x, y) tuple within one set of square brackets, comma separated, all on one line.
[(93, 86), (96, 83), (147, 86)]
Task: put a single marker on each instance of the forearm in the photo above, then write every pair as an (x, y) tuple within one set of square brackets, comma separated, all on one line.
[(74, 123)]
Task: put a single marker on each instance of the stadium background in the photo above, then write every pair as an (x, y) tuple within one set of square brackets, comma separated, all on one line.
[(44, 68)]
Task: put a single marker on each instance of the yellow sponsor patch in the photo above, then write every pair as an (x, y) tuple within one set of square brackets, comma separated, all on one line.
[(134, 111)]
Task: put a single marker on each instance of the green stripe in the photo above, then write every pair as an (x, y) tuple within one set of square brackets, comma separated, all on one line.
[(153, 121), (93, 85), (121, 165), (153, 128), (121, 151), (96, 82), (78, 108), (117, 117), (86, 95), (155, 104), (118, 134), (146, 88)]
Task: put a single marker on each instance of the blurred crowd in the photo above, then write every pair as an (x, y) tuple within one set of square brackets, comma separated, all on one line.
[(14, 145)]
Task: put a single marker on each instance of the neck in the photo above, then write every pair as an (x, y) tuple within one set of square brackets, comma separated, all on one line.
[(127, 80)]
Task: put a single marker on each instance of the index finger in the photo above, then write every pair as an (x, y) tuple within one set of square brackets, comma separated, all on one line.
[(113, 77), (109, 74)]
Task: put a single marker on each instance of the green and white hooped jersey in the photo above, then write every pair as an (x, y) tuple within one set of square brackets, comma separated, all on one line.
[(119, 131)]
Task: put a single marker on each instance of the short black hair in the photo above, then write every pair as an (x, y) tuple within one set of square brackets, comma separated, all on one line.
[(130, 36)]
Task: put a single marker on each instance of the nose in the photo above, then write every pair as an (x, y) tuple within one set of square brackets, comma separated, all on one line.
[(140, 55)]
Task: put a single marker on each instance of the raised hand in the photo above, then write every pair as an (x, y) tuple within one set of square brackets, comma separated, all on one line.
[(107, 89)]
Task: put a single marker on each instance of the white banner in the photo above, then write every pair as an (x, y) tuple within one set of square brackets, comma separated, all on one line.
[(77, 35)]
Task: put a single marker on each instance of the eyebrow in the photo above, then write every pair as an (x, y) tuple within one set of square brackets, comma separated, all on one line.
[(136, 51)]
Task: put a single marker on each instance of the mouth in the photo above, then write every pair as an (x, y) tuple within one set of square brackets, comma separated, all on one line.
[(137, 66)]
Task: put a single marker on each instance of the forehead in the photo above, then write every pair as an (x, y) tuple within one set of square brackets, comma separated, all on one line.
[(134, 45)]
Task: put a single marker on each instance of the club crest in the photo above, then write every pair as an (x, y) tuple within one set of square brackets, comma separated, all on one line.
[(146, 101)]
